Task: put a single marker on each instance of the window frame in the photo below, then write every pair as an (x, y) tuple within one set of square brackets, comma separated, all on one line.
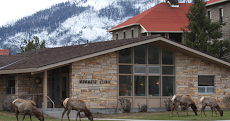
[(147, 65), (11, 88), (221, 11), (209, 15), (205, 87)]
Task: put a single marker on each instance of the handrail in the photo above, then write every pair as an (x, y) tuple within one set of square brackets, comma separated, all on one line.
[(53, 104)]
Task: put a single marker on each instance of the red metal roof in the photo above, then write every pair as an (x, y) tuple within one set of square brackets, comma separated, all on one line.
[(161, 17), (213, 1), (4, 51)]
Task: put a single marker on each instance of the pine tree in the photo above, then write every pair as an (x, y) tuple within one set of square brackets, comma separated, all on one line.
[(203, 34), (30, 45)]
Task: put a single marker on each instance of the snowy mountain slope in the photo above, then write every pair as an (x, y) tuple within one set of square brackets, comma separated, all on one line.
[(72, 22)]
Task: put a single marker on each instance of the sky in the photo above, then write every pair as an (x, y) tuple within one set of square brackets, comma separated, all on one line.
[(12, 10)]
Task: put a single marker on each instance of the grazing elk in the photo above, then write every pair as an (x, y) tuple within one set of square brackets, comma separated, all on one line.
[(27, 107), (78, 105), (185, 100), (211, 102)]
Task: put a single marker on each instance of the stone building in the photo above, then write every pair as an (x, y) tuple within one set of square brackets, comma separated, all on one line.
[(146, 70), (218, 10), (165, 19)]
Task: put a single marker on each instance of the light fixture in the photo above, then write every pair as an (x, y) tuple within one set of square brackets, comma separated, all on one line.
[(37, 80)]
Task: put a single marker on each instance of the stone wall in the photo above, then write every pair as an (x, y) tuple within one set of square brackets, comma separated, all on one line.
[(187, 71), (2, 89), (101, 72), (215, 16), (136, 30)]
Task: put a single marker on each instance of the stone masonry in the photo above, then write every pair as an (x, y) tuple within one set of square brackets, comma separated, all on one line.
[(187, 71), (215, 16), (99, 94)]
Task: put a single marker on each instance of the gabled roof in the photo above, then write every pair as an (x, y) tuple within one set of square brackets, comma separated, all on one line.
[(160, 18), (213, 2), (4, 51), (48, 58)]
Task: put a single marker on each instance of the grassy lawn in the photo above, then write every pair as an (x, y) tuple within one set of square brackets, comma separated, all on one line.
[(9, 116)]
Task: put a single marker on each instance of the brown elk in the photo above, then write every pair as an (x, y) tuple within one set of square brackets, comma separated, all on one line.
[(78, 105), (185, 100), (211, 102), (27, 107)]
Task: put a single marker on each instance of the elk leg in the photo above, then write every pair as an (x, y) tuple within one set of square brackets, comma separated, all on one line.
[(172, 108), (201, 112), (176, 110), (30, 118), (215, 110), (187, 109), (63, 113), (23, 116), (204, 111), (16, 113), (78, 114), (68, 114), (212, 110)]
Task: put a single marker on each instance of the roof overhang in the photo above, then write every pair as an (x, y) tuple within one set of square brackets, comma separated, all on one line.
[(123, 27), (165, 31), (216, 2), (160, 41)]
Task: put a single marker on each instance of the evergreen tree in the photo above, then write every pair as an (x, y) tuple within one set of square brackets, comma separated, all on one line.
[(32, 44), (203, 34)]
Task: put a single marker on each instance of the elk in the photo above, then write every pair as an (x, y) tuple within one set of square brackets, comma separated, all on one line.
[(211, 102), (27, 107), (78, 105), (185, 100)]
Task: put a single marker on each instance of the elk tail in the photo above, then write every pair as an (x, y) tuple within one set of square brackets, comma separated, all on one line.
[(201, 99), (173, 98), (65, 102)]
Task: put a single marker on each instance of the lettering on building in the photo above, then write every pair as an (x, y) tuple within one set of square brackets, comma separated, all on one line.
[(87, 81)]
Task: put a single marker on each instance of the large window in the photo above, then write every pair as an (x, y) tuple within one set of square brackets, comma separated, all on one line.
[(206, 84), (146, 70), (10, 85)]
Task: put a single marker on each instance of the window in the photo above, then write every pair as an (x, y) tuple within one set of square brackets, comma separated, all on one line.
[(10, 87), (140, 84), (154, 70), (209, 15), (168, 84), (168, 57), (125, 55), (206, 84), (116, 36), (153, 54), (125, 69), (146, 70), (125, 85), (221, 14), (139, 69), (124, 35), (132, 33), (154, 85), (140, 54)]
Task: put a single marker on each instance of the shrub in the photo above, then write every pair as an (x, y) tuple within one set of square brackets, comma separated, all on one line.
[(125, 105)]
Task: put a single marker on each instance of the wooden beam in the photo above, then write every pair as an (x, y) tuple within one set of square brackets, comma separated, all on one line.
[(45, 89)]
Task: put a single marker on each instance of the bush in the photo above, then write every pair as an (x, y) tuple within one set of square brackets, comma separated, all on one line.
[(125, 105), (7, 104), (143, 108), (168, 104)]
